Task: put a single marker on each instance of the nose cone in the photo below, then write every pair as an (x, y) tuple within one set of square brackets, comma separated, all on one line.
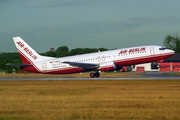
[(171, 51)]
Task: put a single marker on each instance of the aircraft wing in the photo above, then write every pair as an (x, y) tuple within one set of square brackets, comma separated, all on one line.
[(83, 65)]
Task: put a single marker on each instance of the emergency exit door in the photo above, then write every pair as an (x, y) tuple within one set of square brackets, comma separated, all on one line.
[(44, 66), (152, 51)]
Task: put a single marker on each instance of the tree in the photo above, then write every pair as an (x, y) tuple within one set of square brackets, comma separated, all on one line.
[(2, 64), (49, 53), (79, 51), (172, 42), (102, 49), (9, 69), (62, 51), (76, 51)]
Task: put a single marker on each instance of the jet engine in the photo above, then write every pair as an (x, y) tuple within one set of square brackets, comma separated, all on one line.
[(108, 66)]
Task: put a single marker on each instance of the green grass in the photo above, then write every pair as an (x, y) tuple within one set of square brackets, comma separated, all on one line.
[(175, 73)]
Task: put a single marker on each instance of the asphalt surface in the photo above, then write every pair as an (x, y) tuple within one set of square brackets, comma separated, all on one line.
[(146, 76)]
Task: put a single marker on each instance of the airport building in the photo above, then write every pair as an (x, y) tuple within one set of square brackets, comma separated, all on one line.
[(146, 67), (170, 64)]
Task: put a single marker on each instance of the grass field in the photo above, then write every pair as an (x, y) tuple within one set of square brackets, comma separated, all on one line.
[(90, 100), (174, 73)]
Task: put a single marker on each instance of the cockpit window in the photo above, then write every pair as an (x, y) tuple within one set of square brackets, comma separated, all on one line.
[(162, 48)]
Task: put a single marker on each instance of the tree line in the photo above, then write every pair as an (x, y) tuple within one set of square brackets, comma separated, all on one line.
[(64, 51), (170, 42)]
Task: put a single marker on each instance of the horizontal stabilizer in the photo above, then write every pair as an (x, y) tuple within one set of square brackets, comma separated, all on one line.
[(19, 65)]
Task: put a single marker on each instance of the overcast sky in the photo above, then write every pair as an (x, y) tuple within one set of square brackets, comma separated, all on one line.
[(87, 23)]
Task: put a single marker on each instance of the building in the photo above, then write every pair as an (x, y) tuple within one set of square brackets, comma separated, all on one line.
[(52, 49), (146, 67), (170, 64)]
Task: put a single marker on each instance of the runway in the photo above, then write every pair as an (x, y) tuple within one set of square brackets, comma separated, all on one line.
[(124, 78), (146, 76)]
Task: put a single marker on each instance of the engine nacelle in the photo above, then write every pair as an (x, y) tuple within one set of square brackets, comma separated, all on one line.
[(108, 66)]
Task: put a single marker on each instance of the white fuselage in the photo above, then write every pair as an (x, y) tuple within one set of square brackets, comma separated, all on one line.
[(121, 57)]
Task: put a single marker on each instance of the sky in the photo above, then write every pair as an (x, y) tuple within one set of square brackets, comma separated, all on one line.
[(87, 23)]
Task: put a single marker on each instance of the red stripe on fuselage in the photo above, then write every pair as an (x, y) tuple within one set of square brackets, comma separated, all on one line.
[(68, 70), (144, 59), (30, 69)]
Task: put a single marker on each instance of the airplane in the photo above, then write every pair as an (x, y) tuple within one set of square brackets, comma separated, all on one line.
[(95, 62)]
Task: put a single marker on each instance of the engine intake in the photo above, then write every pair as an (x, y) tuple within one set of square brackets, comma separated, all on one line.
[(108, 66)]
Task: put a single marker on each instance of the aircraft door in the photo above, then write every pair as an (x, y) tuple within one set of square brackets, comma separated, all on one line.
[(152, 51), (44, 66)]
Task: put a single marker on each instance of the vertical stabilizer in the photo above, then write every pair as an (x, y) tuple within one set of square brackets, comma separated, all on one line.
[(27, 54)]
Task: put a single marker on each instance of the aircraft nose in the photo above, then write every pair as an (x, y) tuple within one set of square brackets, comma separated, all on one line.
[(171, 51)]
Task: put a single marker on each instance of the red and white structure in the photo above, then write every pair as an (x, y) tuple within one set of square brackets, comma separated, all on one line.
[(170, 64)]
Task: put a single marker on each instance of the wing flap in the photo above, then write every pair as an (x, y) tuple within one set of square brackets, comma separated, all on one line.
[(82, 65)]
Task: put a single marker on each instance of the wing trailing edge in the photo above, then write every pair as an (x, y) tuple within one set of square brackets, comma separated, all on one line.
[(82, 65)]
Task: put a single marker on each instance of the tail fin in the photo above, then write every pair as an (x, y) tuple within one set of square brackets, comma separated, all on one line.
[(27, 54)]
